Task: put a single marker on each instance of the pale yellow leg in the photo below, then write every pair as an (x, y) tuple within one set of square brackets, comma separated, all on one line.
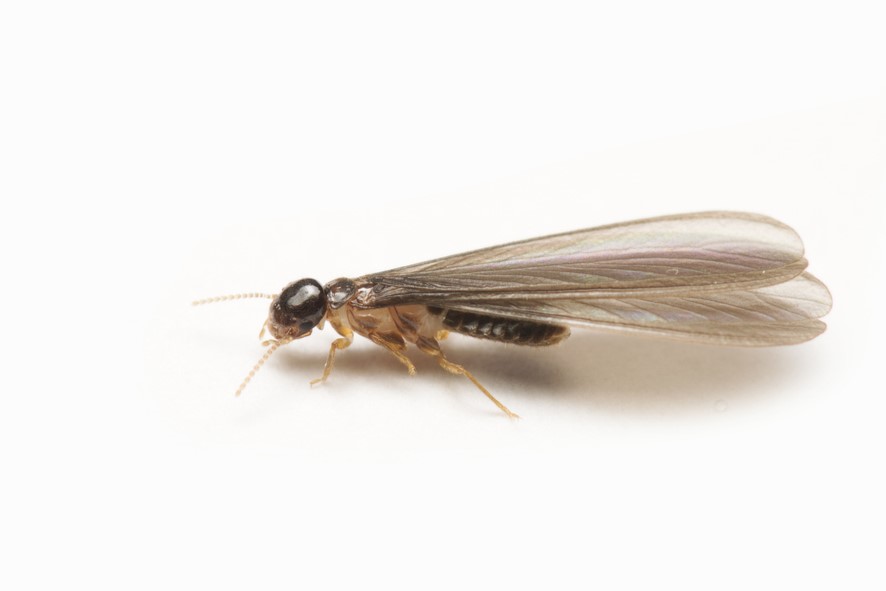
[(432, 348), (396, 347), (337, 345)]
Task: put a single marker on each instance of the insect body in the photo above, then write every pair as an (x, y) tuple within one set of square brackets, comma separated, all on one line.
[(304, 304), (717, 277)]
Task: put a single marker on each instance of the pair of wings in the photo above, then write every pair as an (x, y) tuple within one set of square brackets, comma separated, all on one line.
[(718, 277)]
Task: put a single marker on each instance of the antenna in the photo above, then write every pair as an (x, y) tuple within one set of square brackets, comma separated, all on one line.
[(238, 296), (272, 346)]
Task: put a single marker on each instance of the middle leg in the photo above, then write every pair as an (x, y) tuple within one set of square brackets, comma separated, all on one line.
[(432, 348), (396, 345)]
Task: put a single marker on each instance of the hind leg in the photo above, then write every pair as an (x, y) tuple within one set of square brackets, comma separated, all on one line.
[(432, 348)]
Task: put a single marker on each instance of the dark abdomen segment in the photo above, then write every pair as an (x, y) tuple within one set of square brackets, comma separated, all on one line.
[(497, 328)]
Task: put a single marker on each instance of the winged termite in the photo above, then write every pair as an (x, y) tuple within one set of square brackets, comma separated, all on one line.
[(724, 278)]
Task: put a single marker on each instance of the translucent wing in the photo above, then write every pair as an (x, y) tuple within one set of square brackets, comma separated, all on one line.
[(721, 277), (779, 314), (672, 255)]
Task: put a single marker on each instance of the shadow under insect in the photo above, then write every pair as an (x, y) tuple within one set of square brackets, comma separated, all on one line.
[(599, 372)]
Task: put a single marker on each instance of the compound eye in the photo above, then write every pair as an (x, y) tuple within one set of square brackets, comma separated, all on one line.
[(301, 304)]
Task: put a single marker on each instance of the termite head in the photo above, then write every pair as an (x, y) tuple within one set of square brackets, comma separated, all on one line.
[(297, 310)]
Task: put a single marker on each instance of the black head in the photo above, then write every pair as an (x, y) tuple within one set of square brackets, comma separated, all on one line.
[(299, 308)]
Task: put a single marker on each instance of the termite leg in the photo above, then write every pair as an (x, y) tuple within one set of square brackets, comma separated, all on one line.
[(432, 348), (338, 344), (396, 345)]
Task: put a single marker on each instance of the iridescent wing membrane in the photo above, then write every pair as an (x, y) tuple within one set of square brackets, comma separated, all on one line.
[(718, 277)]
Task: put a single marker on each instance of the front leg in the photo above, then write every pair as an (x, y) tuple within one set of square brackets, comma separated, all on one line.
[(338, 344)]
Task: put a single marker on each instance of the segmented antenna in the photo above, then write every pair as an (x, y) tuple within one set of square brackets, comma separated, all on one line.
[(272, 346), (238, 296)]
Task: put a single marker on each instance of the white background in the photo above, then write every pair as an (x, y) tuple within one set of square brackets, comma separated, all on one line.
[(153, 153)]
